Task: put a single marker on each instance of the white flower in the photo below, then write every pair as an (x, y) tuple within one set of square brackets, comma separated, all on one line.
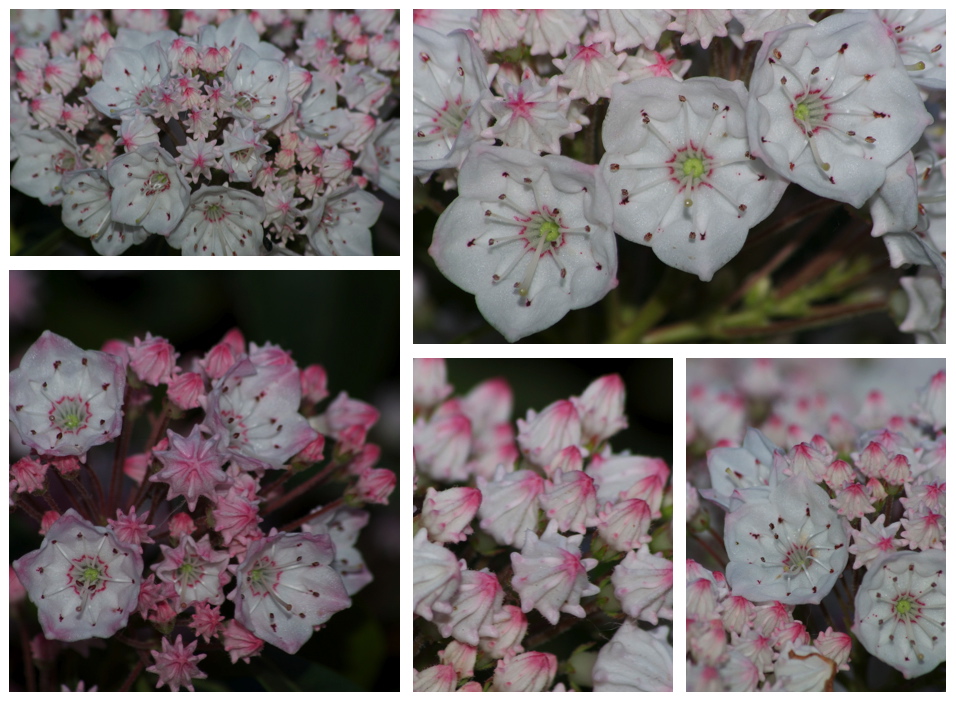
[(900, 611), (261, 88), (735, 468), (551, 576), (64, 400), (319, 114), (548, 31), (129, 75), (148, 190), (220, 221), (874, 540), (804, 668), (509, 505), (700, 25), (530, 116), (340, 222), (499, 29), (791, 548), (756, 23), (450, 79), (473, 608), (590, 71), (831, 106), (680, 173), (925, 312), (920, 37), (379, 160), (436, 577), (86, 211), (529, 236), (45, 157), (635, 660), (84, 581), (242, 152), (363, 88)]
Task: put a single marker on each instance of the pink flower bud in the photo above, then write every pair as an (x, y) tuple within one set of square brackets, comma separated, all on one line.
[(512, 625), (530, 671), (643, 582), (838, 473), (186, 390), (218, 360), (131, 528), (897, 470), (176, 664), (571, 501), (447, 514), (374, 486), (601, 408), (313, 452), (771, 617), (49, 517), (429, 384), (488, 404), (239, 642), (29, 473), (153, 359), (437, 577), (542, 435), (17, 591), (181, 525), (440, 678), (66, 465), (509, 505), (836, 646), (461, 657), (206, 620), (473, 608), (852, 501), (314, 383), (807, 460), (625, 525), (871, 460), (567, 460), (191, 467), (736, 612)]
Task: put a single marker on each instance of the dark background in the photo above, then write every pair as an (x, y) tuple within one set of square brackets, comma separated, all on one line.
[(346, 321)]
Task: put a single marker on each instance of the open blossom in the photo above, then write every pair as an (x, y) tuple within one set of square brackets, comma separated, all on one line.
[(64, 400), (83, 580), (634, 660)]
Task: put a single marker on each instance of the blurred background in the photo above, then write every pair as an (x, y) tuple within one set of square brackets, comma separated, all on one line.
[(345, 321)]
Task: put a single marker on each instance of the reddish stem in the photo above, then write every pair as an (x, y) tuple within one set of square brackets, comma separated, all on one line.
[(302, 488), (119, 456), (334, 505)]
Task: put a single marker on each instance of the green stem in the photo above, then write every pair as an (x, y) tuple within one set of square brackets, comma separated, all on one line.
[(652, 311)]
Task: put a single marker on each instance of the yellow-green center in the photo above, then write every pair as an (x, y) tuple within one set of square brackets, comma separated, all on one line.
[(801, 112), (71, 421), (550, 231), (256, 574), (91, 575), (904, 605), (693, 167)]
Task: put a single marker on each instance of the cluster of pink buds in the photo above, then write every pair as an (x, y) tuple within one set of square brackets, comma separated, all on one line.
[(223, 132), (825, 528), (524, 531), (184, 541)]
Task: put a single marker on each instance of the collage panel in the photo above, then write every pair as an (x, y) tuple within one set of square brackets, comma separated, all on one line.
[(816, 524), (673, 176), (203, 481), (543, 549), (205, 132)]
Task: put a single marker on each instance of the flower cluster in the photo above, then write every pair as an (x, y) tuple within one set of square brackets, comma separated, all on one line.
[(833, 541), (523, 531), (183, 541), (561, 128), (244, 133)]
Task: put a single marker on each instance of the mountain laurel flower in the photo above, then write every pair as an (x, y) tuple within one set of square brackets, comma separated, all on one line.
[(46, 156), (64, 400), (700, 25), (644, 583), (447, 514), (153, 359), (601, 409), (590, 71), (131, 528), (542, 435), (529, 671), (803, 668), (626, 524), (512, 626), (176, 665), (192, 466), (84, 582), (473, 608), (220, 221), (682, 177), (129, 75), (529, 236), (451, 78), (461, 656), (852, 501), (530, 116), (437, 577), (832, 106), (429, 382), (442, 445), (900, 611), (571, 501), (195, 569), (791, 548), (339, 222), (441, 678), (835, 645), (87, 212), (550, 575), (635, 660), (509, 505), (148, 190), (735, 468), (239, 642), (286, 588), (630, 28)]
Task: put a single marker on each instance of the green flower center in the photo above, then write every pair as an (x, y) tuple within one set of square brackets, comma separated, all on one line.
[(904, 605), (256, 574), (801, 112), (694, 167), (550, 231), (91, 575)]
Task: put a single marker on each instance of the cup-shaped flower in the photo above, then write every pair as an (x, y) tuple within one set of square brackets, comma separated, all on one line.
[(529, 236), (790, 548), (286, 588), (682, 179), (734, 468), (831, 106), (220, 221), (64, 400), (46, 156), (195, 569), (900, 611), (129, 75), (340, 222), (148, 190), (84, 581), (261, 88), (550, 575)]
